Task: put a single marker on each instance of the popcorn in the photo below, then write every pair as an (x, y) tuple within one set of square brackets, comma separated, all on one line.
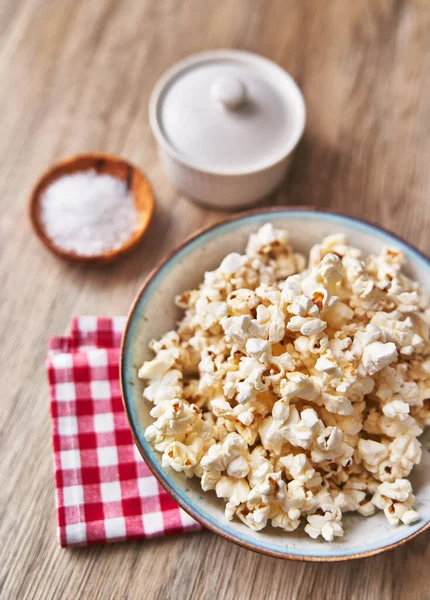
[(288, 521), (267, 240), (174, 418), (330, 438), (377, 355), (209, 479), (293, 392), (327, 364), (298, 467), (258, 348), (291, 288), (353, 498), (272, 489), (180, 457), (165, 387), (236, 328), (156, 368), (397, 409), (302, 306), (327, 525), (336, 403), (339, 315), (306, 325), (405, 452), (214, 459), (396, 500), (238, 467), (396, 329), (270, 436), (331, 268), (330, 447), (234, 490), (245, 392), (241, 302), (298, 385), (260, 468), (372, 453), (256, 519), (299, 430), (232, 263)]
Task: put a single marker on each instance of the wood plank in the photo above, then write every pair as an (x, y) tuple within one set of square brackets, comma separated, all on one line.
[(77, 76)]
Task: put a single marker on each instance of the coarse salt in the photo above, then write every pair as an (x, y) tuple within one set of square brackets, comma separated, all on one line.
[(88, 213)]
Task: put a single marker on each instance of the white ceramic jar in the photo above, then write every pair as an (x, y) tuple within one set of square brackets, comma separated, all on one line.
[(226, 123)]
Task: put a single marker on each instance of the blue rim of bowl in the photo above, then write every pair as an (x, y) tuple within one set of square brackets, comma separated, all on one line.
[(259, 216)]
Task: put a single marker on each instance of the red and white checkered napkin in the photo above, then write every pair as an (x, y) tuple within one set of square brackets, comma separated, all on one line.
[(104, 490)]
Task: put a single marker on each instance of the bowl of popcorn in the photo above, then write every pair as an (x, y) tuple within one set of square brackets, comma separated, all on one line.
[(275, 372)]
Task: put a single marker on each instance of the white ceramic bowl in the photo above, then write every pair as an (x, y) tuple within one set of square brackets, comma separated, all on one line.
[(227, 187), (153, 313)]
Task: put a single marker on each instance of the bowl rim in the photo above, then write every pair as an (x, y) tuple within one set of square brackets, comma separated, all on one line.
[(109, 255), (164, 481), (198, 58)]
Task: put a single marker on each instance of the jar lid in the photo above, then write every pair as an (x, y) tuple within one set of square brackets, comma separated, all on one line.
[(227, 112)]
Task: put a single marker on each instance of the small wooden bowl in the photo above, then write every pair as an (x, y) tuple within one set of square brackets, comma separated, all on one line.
[(103, 164)]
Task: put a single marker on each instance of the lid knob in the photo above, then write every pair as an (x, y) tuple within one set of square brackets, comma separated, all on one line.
[(229, 91)]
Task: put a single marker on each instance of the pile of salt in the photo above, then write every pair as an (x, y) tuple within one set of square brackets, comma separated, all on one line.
[(88, 213)]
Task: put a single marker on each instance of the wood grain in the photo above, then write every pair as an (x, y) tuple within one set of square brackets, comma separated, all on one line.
[(76, 76)]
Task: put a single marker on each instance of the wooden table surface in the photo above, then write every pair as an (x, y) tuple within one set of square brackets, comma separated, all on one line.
[(76, 76)]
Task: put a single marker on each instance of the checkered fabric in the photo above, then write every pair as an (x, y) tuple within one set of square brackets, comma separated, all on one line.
[(104, 490)]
